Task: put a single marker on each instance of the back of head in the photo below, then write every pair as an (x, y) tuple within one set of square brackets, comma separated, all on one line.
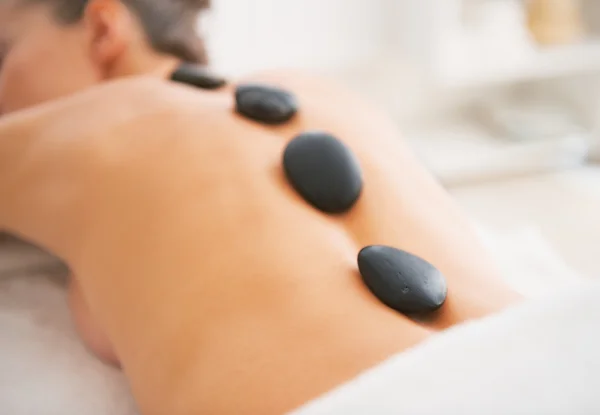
[(80, 43), (170, 25)]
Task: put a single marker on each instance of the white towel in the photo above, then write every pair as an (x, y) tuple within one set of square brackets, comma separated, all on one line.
[(44, 369), (540, 358)]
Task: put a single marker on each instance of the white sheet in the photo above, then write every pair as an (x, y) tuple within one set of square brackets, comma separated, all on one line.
[(44, 369), (542, 358)]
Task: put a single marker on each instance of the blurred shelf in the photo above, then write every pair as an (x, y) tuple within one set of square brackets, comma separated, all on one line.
[(541, 63), (462, 153), (476, 43)]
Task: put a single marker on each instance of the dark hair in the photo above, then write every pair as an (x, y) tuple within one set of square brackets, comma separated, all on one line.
[(170, 25)]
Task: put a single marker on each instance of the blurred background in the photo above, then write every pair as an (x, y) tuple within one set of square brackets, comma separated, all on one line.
[(500, 99)]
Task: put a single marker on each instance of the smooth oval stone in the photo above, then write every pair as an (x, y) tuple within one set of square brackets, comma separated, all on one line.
[(195, 75), (324, 171), (401, 280), (266, 104)]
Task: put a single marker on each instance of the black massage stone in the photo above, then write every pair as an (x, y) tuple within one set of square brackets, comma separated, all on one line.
[(324, 171), (266, 104), (402, 281), (195, 75)]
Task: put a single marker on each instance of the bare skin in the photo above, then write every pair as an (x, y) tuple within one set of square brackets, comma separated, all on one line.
[(219, 288)]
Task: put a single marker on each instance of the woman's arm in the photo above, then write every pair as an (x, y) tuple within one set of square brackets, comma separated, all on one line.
[(49, 155), (39, 174)]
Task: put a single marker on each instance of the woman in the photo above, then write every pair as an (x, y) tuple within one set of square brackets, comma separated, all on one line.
[(198, 268)]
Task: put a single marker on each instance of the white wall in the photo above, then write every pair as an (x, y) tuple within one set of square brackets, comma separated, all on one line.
[(246, 35), (377, 46)]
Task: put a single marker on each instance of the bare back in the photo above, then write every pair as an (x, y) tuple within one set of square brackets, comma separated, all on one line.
[(221, 290)]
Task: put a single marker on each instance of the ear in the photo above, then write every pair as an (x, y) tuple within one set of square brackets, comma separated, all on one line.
[(110, 26)]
